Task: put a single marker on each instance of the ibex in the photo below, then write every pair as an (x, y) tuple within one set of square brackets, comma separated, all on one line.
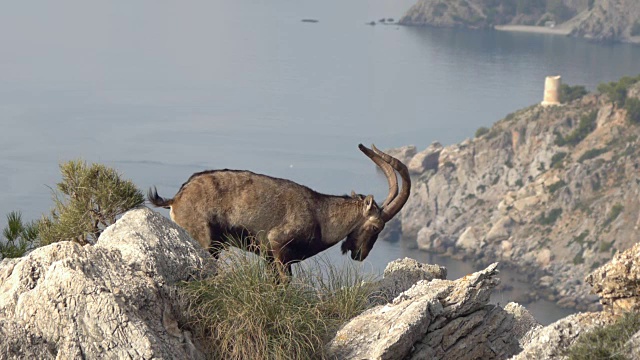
[(290, 222)]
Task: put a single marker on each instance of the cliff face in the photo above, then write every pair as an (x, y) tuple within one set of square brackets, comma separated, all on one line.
[(602, 20), (553, 191)]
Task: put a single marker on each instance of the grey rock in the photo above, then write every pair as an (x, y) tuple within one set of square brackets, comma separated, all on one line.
[(104, 301), (437, 319), (401, 274), (550, 342), (404, 153), (426, 159), (616, 282)]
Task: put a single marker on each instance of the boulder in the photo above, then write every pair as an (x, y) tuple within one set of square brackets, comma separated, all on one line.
[(115, 299), (469, 241), (550, 342), (426, 159), (437, 319), (404, 153), (501, 230), (401, 274), (618, 281)]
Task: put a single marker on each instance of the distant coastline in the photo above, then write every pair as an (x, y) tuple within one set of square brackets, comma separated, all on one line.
[(534, 29)]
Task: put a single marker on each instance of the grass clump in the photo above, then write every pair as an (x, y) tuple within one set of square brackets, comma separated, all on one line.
[(89, 199), (243, 312), (19, 237), (607, 342)]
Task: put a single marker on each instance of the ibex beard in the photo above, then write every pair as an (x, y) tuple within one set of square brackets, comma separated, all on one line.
[(285, 221)]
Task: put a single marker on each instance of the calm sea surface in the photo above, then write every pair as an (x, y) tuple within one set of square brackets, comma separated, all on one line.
[(162, 89)]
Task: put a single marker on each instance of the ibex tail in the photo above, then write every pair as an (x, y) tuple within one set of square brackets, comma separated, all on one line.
[(157, 200)]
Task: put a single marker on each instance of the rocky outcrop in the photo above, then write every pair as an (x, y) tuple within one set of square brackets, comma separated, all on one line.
[(400, 275), (523, 194), (437, 319), (112, 300), (118, 299), (617, 283), (602, 20), (425, 160), (551, 342)]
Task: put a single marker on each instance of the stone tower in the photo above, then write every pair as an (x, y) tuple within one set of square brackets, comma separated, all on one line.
[(552, 90)]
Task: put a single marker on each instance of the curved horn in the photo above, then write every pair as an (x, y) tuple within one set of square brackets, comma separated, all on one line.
[(386, 169), (396, 204)]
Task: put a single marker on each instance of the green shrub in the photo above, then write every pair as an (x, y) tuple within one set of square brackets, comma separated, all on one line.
[(613, 214), (89, 199), (632, 105), (592, 153), (18, 236), (617, 91), (556, 186), (570, 93), (578, 259), (551, 218), (586, 125), (580, 238), (556, 159), (606, 245), (519, 183), (607, 342), (242, 312), (481, 131)]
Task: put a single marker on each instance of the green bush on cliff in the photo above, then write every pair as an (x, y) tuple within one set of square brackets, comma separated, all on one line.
[(592, 153), (481, 131), (616, 210), (556, 159), (585, 127), (617, 91), (19, 237), (243, 312), (89, 199), (607, 342), (550, 218), (570, 93), (632, 105)]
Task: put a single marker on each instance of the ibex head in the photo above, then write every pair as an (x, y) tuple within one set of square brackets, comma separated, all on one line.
[(360, 241)]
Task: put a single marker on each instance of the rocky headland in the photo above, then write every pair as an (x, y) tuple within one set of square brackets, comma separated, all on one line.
[(117, 299), (599, 20), (550, 191)]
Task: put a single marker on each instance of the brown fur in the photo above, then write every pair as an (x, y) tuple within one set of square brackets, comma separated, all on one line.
[(290, 221)]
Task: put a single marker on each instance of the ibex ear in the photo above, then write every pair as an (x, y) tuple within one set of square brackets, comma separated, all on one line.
[(369, 205), (353, 194)]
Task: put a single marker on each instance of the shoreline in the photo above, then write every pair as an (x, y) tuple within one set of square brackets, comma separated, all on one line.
[(534, 29)]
